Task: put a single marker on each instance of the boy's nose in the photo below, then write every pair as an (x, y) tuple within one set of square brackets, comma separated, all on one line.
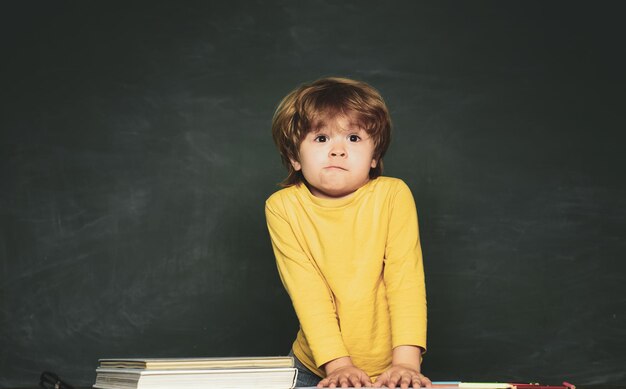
[(338, 149)]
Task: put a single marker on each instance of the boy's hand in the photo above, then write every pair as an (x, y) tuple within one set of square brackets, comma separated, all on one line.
[(404, 370), (403, 375), (341, 373)]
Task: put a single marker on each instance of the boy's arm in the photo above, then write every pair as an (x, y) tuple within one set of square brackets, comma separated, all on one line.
[(311, 297), (406, 295), (404, 274)]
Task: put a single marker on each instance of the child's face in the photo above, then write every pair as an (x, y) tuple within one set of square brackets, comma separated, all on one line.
[(336, 157)]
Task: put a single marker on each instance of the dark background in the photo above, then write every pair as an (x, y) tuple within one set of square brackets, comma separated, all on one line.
[(137, 156)]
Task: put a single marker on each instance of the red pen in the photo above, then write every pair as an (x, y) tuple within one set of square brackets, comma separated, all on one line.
[(565, 385)]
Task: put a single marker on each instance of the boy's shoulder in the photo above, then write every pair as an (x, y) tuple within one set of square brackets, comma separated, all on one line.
[(281, 195), (287, 191), (388, 184), (388, 181)]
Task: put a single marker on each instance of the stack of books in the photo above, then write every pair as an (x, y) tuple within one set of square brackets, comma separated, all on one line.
[(196, 373)]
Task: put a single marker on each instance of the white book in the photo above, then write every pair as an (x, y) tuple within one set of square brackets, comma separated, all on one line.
[(197, 363), (263, 378)]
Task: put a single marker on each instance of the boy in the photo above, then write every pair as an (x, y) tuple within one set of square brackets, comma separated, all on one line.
[(346, 241)]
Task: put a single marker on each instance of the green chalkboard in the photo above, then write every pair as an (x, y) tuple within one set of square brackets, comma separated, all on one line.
[(136, 158)]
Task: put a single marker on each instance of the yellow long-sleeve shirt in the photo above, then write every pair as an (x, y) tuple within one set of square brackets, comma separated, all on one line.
[(353, 269)]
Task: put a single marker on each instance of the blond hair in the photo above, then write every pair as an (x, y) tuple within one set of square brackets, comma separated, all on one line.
[(329, 97)]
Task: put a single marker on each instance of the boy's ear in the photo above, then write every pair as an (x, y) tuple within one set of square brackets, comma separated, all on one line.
[(296, 165), (374, 163)]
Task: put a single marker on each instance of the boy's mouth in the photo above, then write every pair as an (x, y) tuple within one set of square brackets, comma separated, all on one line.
[(333, 167)]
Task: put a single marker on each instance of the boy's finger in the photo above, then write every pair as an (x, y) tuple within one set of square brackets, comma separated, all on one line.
[(382, 380), (405, 381), (394, 380), (426, 382), (354, 380)]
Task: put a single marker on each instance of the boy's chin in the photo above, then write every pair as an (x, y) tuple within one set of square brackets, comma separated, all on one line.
[(332, 193)]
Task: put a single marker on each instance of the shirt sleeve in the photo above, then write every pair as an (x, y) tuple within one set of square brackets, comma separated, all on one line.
[(404, 273), (311, 297)]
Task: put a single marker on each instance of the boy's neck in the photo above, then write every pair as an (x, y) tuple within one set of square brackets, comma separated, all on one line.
[(326, 196)]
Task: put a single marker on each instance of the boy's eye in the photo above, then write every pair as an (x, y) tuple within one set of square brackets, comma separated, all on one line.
[(354, 138), (321, 138)]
